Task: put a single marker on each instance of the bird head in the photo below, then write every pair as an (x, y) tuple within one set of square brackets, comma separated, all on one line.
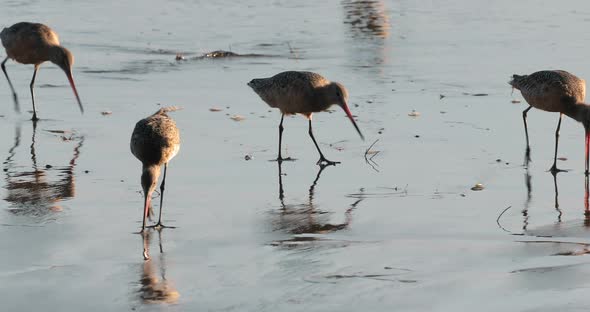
[(337, 94), (149, 179)]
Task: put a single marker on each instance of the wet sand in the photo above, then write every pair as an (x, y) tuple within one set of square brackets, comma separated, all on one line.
[(406, 234)]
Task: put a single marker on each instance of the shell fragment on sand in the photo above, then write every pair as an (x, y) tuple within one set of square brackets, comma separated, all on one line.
[(477, 187)]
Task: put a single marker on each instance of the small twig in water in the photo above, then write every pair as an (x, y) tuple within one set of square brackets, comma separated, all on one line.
[(500, 225), (293, 52), (369, 160)]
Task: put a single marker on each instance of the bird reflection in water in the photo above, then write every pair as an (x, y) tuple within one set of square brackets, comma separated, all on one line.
[(34, 191), (529, 187), (155, 288), (367, 18), (527, 157), (559, 228), (368, 26), (305, 218)]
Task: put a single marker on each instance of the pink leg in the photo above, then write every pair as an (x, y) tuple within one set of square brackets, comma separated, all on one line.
[(146, 209)]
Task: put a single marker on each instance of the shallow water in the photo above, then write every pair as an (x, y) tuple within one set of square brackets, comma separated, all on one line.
[(405, 232)]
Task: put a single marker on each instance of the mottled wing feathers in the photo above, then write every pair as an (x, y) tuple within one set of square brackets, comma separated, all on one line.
[(27, 42), (156, 139), (550, 89), (291, 91)]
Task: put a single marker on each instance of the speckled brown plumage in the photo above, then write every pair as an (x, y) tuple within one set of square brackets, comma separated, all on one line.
[(550, 90), (29, 43), (295, 92), (155, 141)]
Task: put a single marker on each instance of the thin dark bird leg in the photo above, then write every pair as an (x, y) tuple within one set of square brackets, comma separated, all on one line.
[(322, 158), (554, 167), (281, 136), (14, 96), (527, 156), (162, 186), (281, 128), (33, 93)]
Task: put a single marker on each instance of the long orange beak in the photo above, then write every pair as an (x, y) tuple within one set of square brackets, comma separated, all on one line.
[(71, 79), (146, 209), (349, 114)]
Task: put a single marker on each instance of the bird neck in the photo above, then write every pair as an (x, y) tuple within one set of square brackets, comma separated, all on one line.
[(579, 112), (149, 178), (61, 57), (55, 53), (325, 98)]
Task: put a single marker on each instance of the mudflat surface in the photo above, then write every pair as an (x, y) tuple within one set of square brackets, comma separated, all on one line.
[(404, 233)]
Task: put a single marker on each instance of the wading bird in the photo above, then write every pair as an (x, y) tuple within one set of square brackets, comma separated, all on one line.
[(155, 141), (294, 92), (555, 91), (33, 43)]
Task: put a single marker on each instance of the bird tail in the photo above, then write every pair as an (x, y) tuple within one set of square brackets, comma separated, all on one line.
[(516, 81), (164, 110)]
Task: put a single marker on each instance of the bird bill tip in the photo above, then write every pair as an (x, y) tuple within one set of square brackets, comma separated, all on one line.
[(73, 85), (349, 114)]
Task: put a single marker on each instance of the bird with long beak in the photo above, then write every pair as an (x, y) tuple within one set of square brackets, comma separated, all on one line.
[(555, 91), (300, 92), (34, 43), (155, 141)]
